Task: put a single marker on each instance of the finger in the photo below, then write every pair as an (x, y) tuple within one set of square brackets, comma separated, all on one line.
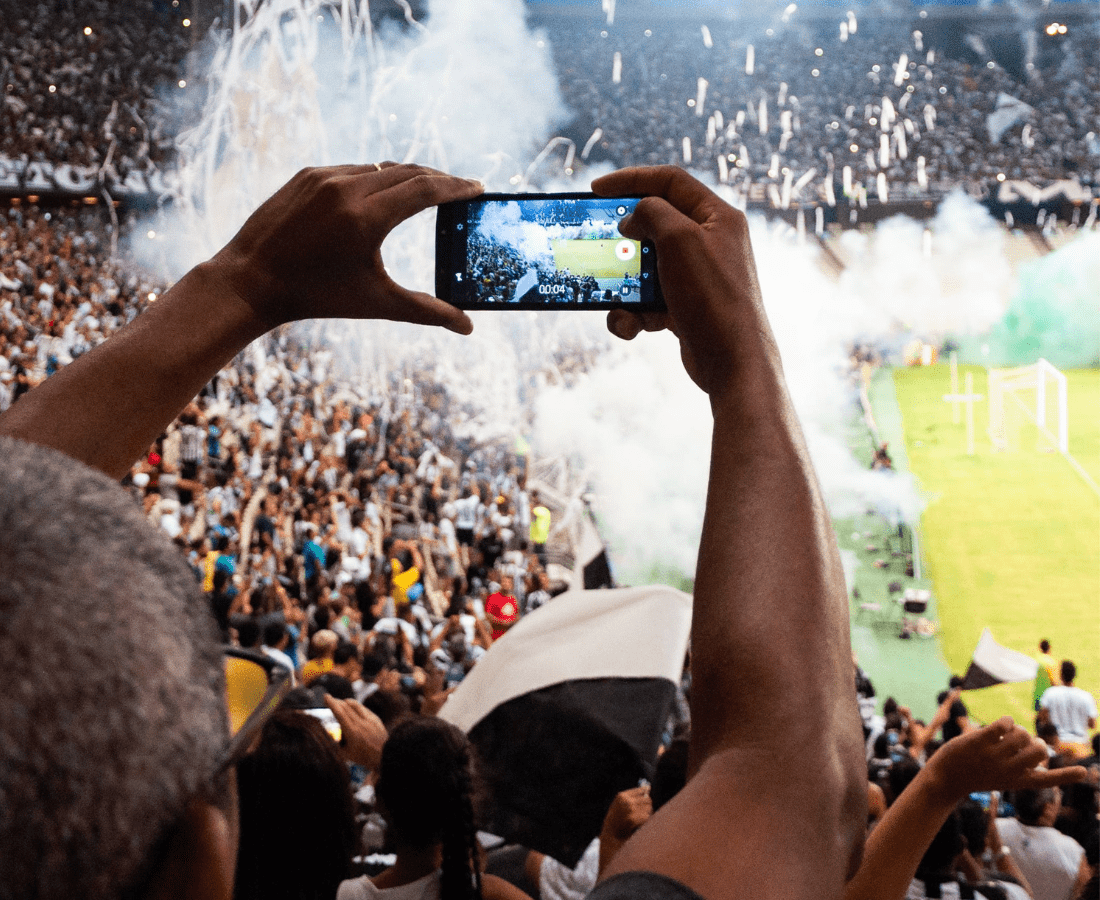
[(623, 324), (1040, 778), (421, 190), (1031, 754), (690, 196), (656, 219), (628, 325), (995, 732), (424, 309), (356, 710), (355, 169), (338, 710)]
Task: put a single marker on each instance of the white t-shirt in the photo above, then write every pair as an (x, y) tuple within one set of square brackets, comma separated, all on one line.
[(1049, 859), (362, 888), (1070, 710), (447, 536), (281, 658), (466, 511), (556, 882), (949, 890)]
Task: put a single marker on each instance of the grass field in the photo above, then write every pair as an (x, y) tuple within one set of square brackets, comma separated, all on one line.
[(596, 258), (1011, 539)]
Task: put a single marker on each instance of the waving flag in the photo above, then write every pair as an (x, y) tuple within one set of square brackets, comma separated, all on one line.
[(568, 707)]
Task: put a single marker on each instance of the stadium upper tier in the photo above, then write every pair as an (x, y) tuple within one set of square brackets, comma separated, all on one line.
[(664, 10), (796, 110)]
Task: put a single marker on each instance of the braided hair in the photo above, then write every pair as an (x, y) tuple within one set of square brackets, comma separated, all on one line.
[(428, 789)]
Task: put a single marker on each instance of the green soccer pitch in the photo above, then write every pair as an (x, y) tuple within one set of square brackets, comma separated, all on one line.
[(596, 258), (1011, 539)]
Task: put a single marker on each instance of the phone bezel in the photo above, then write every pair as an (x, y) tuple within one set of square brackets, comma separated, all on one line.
[(451, 257)]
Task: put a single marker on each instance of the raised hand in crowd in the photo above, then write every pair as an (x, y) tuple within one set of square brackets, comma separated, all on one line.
[(628, 812), (363, 734), (434, 691), (1000, 756), (775, 804)]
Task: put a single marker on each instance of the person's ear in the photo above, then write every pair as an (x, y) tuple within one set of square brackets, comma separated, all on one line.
[(201, 860)]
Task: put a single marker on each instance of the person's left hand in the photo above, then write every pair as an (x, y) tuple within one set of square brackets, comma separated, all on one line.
[(314, 249)]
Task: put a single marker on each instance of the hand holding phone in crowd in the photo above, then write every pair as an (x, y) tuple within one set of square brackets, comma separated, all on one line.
[(707, 273)]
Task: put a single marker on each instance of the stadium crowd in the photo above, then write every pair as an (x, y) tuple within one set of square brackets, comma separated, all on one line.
[(363, 543), (880, 98), (83, 82), (496, 270)]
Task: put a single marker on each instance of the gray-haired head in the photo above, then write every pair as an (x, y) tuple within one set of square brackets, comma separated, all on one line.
[(113, 713)]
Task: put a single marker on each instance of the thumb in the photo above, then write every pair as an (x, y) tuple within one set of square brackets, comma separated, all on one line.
[(422, 308)]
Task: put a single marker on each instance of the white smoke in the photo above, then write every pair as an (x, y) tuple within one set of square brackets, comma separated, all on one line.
[(505, 225), (301, 83), (643, 428)]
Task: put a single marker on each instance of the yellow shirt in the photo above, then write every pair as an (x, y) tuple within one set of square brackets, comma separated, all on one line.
[(540, 525), (315, 668), (402, 580)]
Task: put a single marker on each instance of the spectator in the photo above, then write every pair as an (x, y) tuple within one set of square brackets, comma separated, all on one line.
[(114, 725), (295, 804), (322, 649), (958, 717), (1046, 676), (1071, 709), (427, 792), (914, 848), (540, 527), (276, 640), (502, 608), (1054, 865)]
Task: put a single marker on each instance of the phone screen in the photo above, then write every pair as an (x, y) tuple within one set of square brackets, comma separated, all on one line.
[(542, 251), (328, 719)]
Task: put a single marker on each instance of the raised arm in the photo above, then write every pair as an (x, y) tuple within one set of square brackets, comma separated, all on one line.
[(311, 251), (1000, 756), (775, 806)]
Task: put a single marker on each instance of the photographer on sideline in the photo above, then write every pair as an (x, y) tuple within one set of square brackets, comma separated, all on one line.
[(775, 804)]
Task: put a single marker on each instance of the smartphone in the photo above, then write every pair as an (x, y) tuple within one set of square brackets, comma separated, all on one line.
[(542, 251), (329, 720)]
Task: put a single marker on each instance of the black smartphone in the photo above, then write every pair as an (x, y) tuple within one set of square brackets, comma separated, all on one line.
[(542, 251)]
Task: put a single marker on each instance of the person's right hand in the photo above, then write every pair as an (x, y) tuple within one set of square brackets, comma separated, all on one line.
[(707, 273), (363, 732), (314, 249)]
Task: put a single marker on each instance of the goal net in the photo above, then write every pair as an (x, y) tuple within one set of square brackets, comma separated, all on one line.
[(1028, 408)]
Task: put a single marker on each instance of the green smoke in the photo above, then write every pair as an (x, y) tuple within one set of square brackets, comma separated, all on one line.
[(1055, 313)]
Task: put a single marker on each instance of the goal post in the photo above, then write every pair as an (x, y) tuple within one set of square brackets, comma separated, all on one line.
[(1038, 390)]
